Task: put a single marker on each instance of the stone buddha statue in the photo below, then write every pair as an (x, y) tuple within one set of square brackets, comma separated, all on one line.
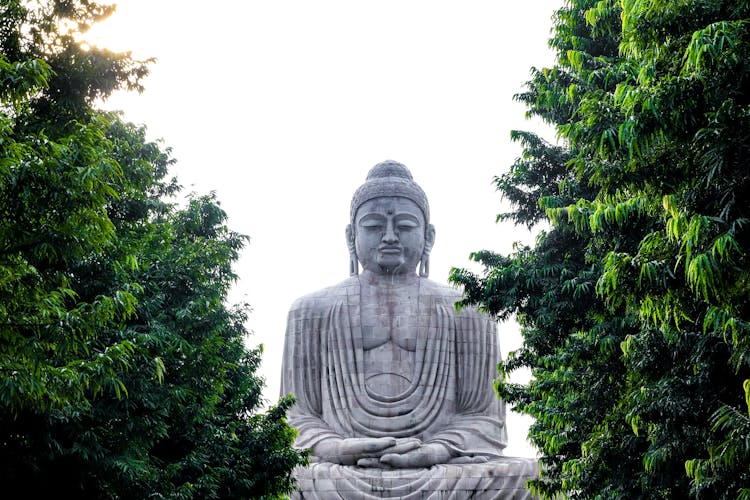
[(394, 386)]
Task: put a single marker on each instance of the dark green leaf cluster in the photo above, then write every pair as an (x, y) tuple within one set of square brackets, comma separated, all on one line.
[(123, 371), (634, 305)]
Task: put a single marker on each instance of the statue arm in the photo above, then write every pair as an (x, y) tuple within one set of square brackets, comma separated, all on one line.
[(478, 427), (301, 376)]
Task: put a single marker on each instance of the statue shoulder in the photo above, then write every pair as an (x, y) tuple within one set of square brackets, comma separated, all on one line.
[(440, 290), (440, 293), (324, 299)]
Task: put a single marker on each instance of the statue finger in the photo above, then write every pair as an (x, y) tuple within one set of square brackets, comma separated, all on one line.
[(404, 447), (469, 460), (393, 459), (379, 444), (369, 462), (360, 446), (409, 459), (408, 440)]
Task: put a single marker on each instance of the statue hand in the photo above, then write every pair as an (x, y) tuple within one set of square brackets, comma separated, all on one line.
[(403, 445), (426, 455), (348, 451)]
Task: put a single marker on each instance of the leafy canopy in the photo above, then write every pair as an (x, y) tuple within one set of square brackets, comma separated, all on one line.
[(634, 305), (123, 371)]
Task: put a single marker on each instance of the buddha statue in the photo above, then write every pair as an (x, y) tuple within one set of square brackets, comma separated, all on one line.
[(394, 385)]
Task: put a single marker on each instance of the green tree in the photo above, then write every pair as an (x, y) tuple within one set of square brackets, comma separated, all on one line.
[(57, 175), (634, 305), (124, 374)]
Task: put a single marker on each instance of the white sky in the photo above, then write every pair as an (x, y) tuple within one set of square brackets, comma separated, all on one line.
[(282, 107)]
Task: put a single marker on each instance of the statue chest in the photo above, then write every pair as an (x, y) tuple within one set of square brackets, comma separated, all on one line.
[(389, 339)]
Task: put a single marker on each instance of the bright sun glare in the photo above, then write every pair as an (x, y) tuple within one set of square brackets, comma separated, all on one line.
[(118, 32)]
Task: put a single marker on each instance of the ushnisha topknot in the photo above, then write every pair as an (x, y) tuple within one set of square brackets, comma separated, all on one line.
[(390, 178)]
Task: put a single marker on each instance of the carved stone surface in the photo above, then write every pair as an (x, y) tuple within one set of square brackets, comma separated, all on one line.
[(394, 386)]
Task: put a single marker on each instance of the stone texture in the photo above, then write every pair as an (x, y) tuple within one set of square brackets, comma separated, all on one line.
[(502, 478), (394, 386)]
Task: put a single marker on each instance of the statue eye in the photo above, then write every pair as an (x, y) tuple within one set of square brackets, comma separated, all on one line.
[(406, 225)]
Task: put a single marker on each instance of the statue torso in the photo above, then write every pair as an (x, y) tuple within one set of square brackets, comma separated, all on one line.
[(381, 358), (389, 315)]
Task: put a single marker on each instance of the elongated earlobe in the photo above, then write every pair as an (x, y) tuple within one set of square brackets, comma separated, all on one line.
[(353, 261), (429, 240), (424, 266)]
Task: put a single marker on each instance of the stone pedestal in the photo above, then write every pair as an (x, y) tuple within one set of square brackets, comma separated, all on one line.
[(500, 479)]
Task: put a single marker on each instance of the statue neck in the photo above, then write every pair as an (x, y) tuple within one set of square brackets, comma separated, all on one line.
[(376, 279)]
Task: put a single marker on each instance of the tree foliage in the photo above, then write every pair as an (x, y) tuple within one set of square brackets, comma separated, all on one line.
[(634, 304), (124, 374)]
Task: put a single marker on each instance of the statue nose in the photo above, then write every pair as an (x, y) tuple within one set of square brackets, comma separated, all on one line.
[(389, 236)]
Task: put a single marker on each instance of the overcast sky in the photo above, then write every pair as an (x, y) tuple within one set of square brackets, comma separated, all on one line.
[(281, 108)]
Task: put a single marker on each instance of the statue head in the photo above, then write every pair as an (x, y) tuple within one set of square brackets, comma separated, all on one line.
[(390, 230)]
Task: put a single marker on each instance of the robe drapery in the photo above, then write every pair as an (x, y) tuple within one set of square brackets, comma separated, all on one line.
[(449, 400)]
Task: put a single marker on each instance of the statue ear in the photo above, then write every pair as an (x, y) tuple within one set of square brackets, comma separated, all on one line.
[(429, 240), (353, 262)]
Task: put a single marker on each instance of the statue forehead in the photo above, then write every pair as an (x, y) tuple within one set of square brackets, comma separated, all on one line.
[(388, 205)]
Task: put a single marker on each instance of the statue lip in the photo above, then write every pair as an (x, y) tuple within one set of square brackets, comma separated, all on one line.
[(390, 249)]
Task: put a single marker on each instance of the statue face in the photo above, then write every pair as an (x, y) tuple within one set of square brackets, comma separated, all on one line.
[(389, 235)]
